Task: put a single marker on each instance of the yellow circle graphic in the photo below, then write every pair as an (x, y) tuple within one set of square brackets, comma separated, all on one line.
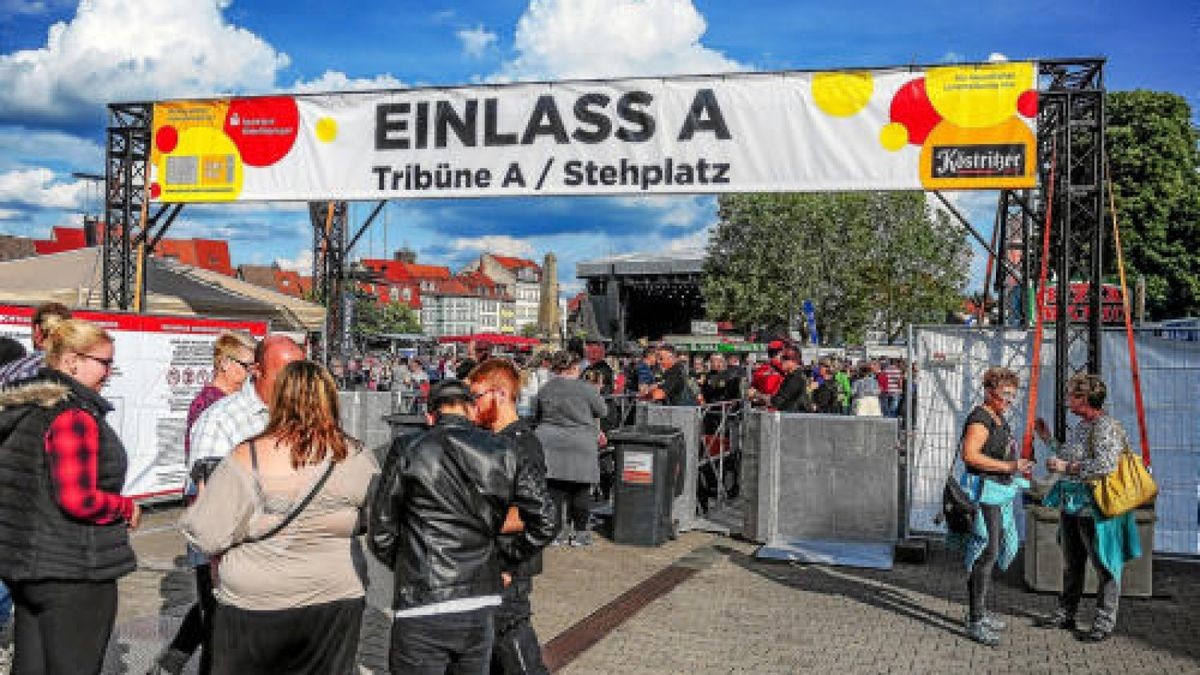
[(842, 94), (894, 136), (327, 129), (974, 97)]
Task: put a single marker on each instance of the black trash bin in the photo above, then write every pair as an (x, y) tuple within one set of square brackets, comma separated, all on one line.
[(649, 465)]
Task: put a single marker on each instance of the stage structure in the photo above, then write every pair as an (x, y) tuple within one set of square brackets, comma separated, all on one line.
[(1005, 126), (643, 296)]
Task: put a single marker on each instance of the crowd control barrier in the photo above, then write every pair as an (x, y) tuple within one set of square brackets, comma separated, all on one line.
[(822, 488), (687, 420), (362, 416)]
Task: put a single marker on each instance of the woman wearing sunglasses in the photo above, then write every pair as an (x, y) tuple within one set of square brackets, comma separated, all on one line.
[(64, 524), (990, 455)]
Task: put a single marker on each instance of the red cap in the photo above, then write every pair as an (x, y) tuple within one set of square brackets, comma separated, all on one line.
[(775, 344)]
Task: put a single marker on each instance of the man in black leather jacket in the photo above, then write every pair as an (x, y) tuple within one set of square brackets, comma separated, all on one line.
[(435, 521), (496, 383)]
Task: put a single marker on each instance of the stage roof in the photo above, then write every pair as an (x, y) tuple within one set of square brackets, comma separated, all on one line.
[(636, 264)]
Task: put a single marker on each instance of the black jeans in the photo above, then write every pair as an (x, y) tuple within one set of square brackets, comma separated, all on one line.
[(62, 626), (459, 643), (980, 579), (306, 640), (574, 497), (1078, 536), (516, 651), (196, 630)]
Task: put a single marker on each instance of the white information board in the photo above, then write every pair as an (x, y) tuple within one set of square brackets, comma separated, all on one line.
[(161, 364)]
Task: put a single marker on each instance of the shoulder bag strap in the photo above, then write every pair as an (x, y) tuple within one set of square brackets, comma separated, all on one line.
[(291, 515)]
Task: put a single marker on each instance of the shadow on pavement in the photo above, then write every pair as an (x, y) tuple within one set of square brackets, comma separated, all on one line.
[(1165, 623)]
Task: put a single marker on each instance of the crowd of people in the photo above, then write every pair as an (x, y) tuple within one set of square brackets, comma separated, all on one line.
[(284, 505)]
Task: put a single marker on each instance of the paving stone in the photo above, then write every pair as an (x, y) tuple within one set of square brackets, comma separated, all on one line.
[(741, 615)]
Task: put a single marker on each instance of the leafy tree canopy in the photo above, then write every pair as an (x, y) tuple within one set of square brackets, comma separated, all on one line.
[(1154, 161), (867, 260)]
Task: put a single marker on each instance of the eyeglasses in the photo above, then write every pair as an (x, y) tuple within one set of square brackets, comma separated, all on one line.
[(107, 363)]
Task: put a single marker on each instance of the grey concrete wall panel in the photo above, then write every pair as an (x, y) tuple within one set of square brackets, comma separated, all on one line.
[(837, 478), (1044, 562), (362, 416), (687, 420), (760, 470)]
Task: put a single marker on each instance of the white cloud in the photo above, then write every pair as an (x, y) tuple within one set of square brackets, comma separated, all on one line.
[(37, 187), (476, 41), (332, 80), (499, 243), (23, 147), (9, 214), (611, 38), (675, 211), (115, 50), (952, 57), (694, 243), (996, 57), (302, 263)]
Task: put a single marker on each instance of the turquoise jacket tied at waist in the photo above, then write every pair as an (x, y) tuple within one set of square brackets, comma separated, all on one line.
[(1117, 540), (991, 493)]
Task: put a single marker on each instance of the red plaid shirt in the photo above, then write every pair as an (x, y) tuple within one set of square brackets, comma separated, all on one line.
[(73, 446)]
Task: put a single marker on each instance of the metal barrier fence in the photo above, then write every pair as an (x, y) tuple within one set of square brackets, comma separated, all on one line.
[(952, 360), (720, 453)]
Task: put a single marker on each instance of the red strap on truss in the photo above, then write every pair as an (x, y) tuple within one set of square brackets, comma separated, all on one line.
[(1039, 324), (1133, 361)]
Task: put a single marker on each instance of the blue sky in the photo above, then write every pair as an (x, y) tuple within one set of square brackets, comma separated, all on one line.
[(61, 61)]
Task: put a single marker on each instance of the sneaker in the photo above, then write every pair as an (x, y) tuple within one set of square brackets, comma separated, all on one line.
[(993, 622), (1094, 635), (979, 632), (581, 539), (1059, 619)]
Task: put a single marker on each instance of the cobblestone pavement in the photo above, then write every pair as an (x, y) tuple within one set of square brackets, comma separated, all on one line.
[(740, 615)]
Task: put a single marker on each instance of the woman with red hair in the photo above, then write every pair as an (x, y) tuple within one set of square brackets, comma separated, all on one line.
[(282, 512)]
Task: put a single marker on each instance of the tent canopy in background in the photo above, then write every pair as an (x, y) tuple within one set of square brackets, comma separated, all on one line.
[(74, 279)]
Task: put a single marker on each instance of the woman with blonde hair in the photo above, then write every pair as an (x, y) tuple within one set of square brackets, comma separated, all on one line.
[(64, 524), (233, 363), (282, 512)]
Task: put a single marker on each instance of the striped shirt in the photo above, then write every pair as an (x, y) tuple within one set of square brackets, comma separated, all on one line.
[(227, 423)]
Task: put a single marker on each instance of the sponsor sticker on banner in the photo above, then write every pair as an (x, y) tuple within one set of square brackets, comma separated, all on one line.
[(955, 127), (637, 468)]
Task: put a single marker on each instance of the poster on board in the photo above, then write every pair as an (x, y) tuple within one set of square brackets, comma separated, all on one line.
[(161, 363), (948, 127)]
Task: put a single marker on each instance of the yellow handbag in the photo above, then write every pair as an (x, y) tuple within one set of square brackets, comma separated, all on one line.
[(1126, 488)]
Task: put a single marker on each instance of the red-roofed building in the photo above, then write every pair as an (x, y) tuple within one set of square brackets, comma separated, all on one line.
[(403, 280), (209, 254), (275, 278), (520, 278)]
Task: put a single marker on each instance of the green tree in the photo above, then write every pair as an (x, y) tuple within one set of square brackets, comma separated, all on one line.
[(372, 318), (865, 260), (1154, 161)]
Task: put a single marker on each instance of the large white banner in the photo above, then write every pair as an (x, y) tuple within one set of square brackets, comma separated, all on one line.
[(161, 364), (945, 128)]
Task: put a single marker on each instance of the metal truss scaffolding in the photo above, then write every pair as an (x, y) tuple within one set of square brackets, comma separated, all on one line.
[(329, 273), (126, 174), (1071, 145)]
